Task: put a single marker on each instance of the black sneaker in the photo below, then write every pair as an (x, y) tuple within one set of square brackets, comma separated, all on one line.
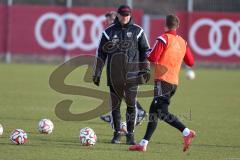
[(130, 139), (116, 138), (106, 118), (140, 117)]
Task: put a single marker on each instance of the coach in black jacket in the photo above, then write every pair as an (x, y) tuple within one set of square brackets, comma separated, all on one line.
[(123, 45)]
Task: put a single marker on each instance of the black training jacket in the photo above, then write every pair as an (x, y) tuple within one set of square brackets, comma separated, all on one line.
[(123, 47)]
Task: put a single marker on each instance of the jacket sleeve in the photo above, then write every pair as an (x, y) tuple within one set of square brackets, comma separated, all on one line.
[(101, 56), (143, 47), (154, 54), (188, 58)]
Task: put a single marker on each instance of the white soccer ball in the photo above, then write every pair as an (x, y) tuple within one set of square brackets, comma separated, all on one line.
[(190, 74), (45, 126), (87, 137), (18, 136), (1, 130)]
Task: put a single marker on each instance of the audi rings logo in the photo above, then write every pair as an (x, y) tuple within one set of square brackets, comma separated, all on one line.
[(215, 37), (77, 32)]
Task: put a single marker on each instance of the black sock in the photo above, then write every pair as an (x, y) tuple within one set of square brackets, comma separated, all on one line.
[(116, 115), (130, 118)]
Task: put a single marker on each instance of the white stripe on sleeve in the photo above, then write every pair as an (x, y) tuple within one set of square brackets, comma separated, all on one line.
[(162, 39), (105, 34), (140, 33)]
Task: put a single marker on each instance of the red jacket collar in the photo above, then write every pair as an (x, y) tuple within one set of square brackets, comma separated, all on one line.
[(174, 32)]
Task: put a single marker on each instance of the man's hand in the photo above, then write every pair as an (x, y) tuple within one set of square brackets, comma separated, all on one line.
[(146, 74), (96, 80)]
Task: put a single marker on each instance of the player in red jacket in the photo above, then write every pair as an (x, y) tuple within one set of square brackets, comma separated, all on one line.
[(167, 54)]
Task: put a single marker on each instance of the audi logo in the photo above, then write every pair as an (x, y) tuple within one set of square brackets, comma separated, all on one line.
[(77, 32), (215, 37)]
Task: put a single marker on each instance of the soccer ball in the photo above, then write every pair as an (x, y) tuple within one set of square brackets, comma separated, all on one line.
[(190, 74), (1, 129), (18, 136), (45, 126), (87, 137)]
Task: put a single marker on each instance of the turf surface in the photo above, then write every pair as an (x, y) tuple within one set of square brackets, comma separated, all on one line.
[(210, 105)]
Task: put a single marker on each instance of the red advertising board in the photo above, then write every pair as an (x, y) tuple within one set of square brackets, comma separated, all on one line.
[(3, 28), (215, 36), (26, 29), (212, 36), (156, 28), (57, 30)]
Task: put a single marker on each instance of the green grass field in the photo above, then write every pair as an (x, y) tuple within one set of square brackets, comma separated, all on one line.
[(25, 97)]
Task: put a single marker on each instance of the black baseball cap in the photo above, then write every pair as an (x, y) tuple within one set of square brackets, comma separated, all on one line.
[(124, 10)]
